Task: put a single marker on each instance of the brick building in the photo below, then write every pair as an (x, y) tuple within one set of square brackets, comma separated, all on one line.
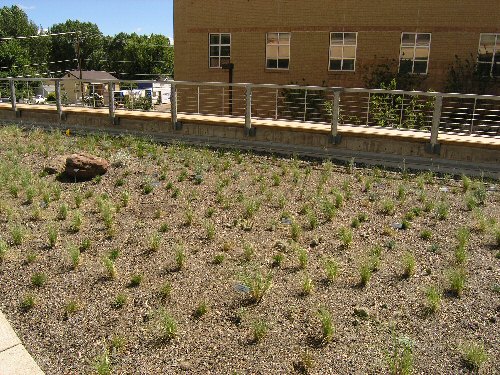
[(332, 42)]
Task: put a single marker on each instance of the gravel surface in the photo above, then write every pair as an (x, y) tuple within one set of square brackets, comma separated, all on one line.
[(229, 215)]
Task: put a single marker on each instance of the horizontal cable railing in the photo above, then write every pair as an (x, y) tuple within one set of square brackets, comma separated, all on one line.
[(333, 107)]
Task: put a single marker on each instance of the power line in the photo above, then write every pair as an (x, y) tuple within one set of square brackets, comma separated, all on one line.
[(40, 35)]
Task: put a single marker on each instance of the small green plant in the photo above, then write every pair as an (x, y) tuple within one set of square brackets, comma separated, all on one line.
[(119, 301), (102, 364), (355, 223), (295, 230), (27, 302), (433, 296), (312, 219), (125, 198), (17, 234), (78, 200), (307, 285), (426, 234), (219, 259), (3, 249), (278, 259), (147, 187), (400, 359), (76, 223), (52, 235), (466, 183), (63, 212), (345, 235), (442, 210), (248, 251), (474, 356), (200, 310), (114, 254), (388, 207), (210, 229), (250, 208), (259, 329), (180, 257), (365, 273), (74, 254), (402, 191), (164, 228), (461, 253), (327, 328), (303, 258), (165, 291), (71, 307), (38, 279), (258, 284), (457, 278), (168, 325), (188, 217), (329, 210), (109, 265), (154, 242), (331, 268), (408, 265), (117, 342), (135, 281)]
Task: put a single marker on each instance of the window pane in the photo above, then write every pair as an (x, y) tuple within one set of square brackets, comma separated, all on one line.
[(283, 63), (407, 52), (214, 62), (225, 51), (214, 51), (226, 39), (405, 66), (284, 52), (420, 67), (284, 38), (408, 39), (336, 52), (487, 57), (337, 38), (272, 52), (350, 38), (335, 64), (421, 53), (349, 52), (423, 39), (272, 38), (224, 60), (484, 69), (487, 40), (348, 64), (496, 70), (272, 63), (214, 38)]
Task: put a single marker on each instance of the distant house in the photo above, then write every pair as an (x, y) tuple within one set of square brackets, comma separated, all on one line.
[(91, 83), (159, 90), (45, 89)]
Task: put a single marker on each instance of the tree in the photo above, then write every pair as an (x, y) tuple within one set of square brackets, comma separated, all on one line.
[(464, 77)]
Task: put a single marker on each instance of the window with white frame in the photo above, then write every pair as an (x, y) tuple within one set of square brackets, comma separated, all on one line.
[(278, 50), (414, 54), (488, 57), (343, 51), (219, 50)]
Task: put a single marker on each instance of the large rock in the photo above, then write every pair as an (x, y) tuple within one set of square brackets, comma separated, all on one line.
[(56, 165), (85, 167)]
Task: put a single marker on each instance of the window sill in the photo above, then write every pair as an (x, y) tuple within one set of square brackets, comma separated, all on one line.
[(277, 70)]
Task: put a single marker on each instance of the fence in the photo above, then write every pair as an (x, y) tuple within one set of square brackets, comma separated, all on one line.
[(431, 112)]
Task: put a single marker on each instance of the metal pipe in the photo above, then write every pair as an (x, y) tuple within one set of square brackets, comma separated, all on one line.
[(58, 98), (173, 103), (111, 99), (335, 112), (13, 94), (436, 117), (248, 108)]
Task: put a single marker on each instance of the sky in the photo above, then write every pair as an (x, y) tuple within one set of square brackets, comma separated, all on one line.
[(112, 16)]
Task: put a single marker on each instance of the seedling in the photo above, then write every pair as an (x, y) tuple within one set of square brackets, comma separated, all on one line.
[(27, 302), (17, 234), (63, 212), (210, 229), (474, 356), (345, 235), (457, 278), (219, 258), (257, 284), (165, 291), (71, 307), (168, 325), (109, 265), (3, 249), (408, 265), (74, 254), (154, 242), (426, 234), (307, 285), (248, 252), (327, 328), (295, 231), (442, 210), (200, 310), (119, 301), (135, 281), (102, 364), (125, 198), (278, 259), (52, 235), (433, 295), (39, 279), (387, 207), (331, 268), (180, 257), (259, 329), (76, 223), (400, 359), (365, 273), (302, 257)]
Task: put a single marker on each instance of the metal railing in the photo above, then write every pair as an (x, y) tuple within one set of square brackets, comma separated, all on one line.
[(432, 112)]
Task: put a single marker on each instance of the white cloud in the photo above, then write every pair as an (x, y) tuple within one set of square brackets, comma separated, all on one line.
[(26, 7), (138, 29)]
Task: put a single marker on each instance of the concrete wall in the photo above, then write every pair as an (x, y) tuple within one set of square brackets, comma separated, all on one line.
[(455, 27), (370, 147)]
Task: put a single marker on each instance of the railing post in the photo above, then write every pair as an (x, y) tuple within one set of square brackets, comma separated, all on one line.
[(433, 147), (58, 99), (305, 105), (335, 137), (111, 102), (368, 109), (276, 105), (173, 106), (198, 100), (13, 95), (248, 112), (471, 130)]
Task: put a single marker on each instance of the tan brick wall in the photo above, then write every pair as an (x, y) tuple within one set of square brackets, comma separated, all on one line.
[(455, 27)]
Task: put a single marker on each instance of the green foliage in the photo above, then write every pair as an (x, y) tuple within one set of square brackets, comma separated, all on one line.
[(74, 254), (400, 358), (326, 322), (135, 280), (3, 249), (154, 242), (408, 264), (200, 310), (17, 234), (258, 284), (102, 364), (302, 257), (295, 230), (307, 285), (109, 265), (331, 268), (119, 301), (433, 296), (457, 278), (180, 257), (27, 302), (168, 325), (52, 235), (465, 77), (345, 235), (39, 279), (259, 329), (474, 356)]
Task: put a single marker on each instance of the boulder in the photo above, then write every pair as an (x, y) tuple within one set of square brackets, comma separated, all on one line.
[(85, 167), (56, 165)]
